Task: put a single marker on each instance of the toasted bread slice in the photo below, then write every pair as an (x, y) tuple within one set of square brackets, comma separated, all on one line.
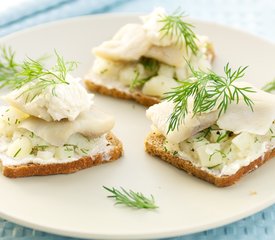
[(154, 145), (135, 95), (34, 169)]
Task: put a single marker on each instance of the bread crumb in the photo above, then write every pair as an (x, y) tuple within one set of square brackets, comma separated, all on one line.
[(252, 193)]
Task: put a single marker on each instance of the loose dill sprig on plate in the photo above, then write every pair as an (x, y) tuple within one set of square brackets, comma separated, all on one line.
[(131, 198), (174, 26), (269, 87), (209, 90), (15, 75)]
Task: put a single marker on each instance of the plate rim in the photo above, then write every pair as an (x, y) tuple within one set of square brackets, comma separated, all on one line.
[(126, 14), (149, 235)]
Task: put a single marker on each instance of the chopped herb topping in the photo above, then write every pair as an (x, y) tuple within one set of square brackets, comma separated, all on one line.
[(18, 151)]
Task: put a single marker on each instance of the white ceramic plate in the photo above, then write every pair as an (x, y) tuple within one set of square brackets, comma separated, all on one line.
[(76, 204)]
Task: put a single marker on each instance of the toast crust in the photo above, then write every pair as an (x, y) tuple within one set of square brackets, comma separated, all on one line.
[(154, 146), (137, 95), (34, 169)]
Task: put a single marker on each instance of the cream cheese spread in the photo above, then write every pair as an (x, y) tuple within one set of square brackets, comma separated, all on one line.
[(224, 158), (96, 146)]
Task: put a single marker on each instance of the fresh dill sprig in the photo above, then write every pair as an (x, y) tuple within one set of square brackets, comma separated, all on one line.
[(205, 132), (223, 136), (138, 82), (223, 155), (174, 26), (41, 77), (209, 90), (131, 198), (17, 152), (15, 75), (151, 65), (269, 87), (37, 148), (8, 67), (214, 166)]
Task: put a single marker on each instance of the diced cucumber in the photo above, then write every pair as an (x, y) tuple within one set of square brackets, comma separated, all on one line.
[(106, 68), (181, 73), (79, 140), (45, 154), (243, 141), (166, 70), (158, 85), (64, 152), (127, 75), (130, 72), (210, 155), (20, 148)]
